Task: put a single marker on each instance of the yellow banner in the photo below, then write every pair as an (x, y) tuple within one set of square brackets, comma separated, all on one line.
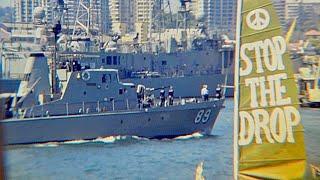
[(270, 135)]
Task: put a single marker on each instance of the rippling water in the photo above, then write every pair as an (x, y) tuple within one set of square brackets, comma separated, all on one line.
[(139, 158)]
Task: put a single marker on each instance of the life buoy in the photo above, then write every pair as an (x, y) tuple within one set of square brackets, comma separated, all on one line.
[(85, 76)]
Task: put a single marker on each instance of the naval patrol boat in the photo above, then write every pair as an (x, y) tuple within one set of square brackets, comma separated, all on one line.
[(92, 103)]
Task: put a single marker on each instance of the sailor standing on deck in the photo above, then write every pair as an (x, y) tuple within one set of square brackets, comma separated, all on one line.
[(218, 92), (205, 92), (170, 95), (140, 95), (162, 97)]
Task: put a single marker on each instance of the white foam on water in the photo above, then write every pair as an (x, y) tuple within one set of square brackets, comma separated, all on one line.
[(48, 144), (81, 141), (190, 136), (109, 139), (140, 138)]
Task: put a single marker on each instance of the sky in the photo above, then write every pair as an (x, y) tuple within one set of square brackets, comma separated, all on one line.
[(174, 4)]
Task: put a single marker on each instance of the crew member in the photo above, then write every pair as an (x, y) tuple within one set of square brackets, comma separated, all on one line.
[(218, 92), (205, 93), (162, 97), (140, 95), (170, 95)]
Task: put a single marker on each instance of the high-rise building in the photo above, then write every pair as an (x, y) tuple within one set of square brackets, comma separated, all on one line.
[(143, 10), (99, 12), (219, 15), (199, 8), (24, 9), (280, 7), (121, 15), (223, 15), (143, 16), (105, 17), (303, 8)]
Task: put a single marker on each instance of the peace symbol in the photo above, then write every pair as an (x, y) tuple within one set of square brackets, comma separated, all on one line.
[(258, 19)]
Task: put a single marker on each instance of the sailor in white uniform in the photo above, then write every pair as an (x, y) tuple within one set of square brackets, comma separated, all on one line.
[(140, 95), (205, 93)]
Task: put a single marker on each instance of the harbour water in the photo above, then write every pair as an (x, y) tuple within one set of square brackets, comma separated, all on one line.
[(137, 158)]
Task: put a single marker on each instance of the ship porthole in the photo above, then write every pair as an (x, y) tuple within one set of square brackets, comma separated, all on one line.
[(149, 119), (85, 76), (162, 118), (121, 121)]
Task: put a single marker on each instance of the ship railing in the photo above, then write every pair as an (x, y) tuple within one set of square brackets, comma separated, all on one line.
[(69, 108), (96, 107)]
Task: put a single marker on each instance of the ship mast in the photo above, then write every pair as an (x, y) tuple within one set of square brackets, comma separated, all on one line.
[(182, 22), (57, 29)]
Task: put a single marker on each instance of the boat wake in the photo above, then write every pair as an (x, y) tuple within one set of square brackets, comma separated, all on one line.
[(190, 136), (111, 139), (140, 138), (107, 140), (76, 142), (48, 144)]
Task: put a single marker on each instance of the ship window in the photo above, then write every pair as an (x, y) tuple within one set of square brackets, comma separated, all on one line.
[(120, 91), (104, 78), (164, 63), (119, 60), (115, 59), (103, 60), (109, 60), (84, 92)]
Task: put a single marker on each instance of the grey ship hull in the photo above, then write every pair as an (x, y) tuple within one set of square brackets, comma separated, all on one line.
[(152, 123)]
